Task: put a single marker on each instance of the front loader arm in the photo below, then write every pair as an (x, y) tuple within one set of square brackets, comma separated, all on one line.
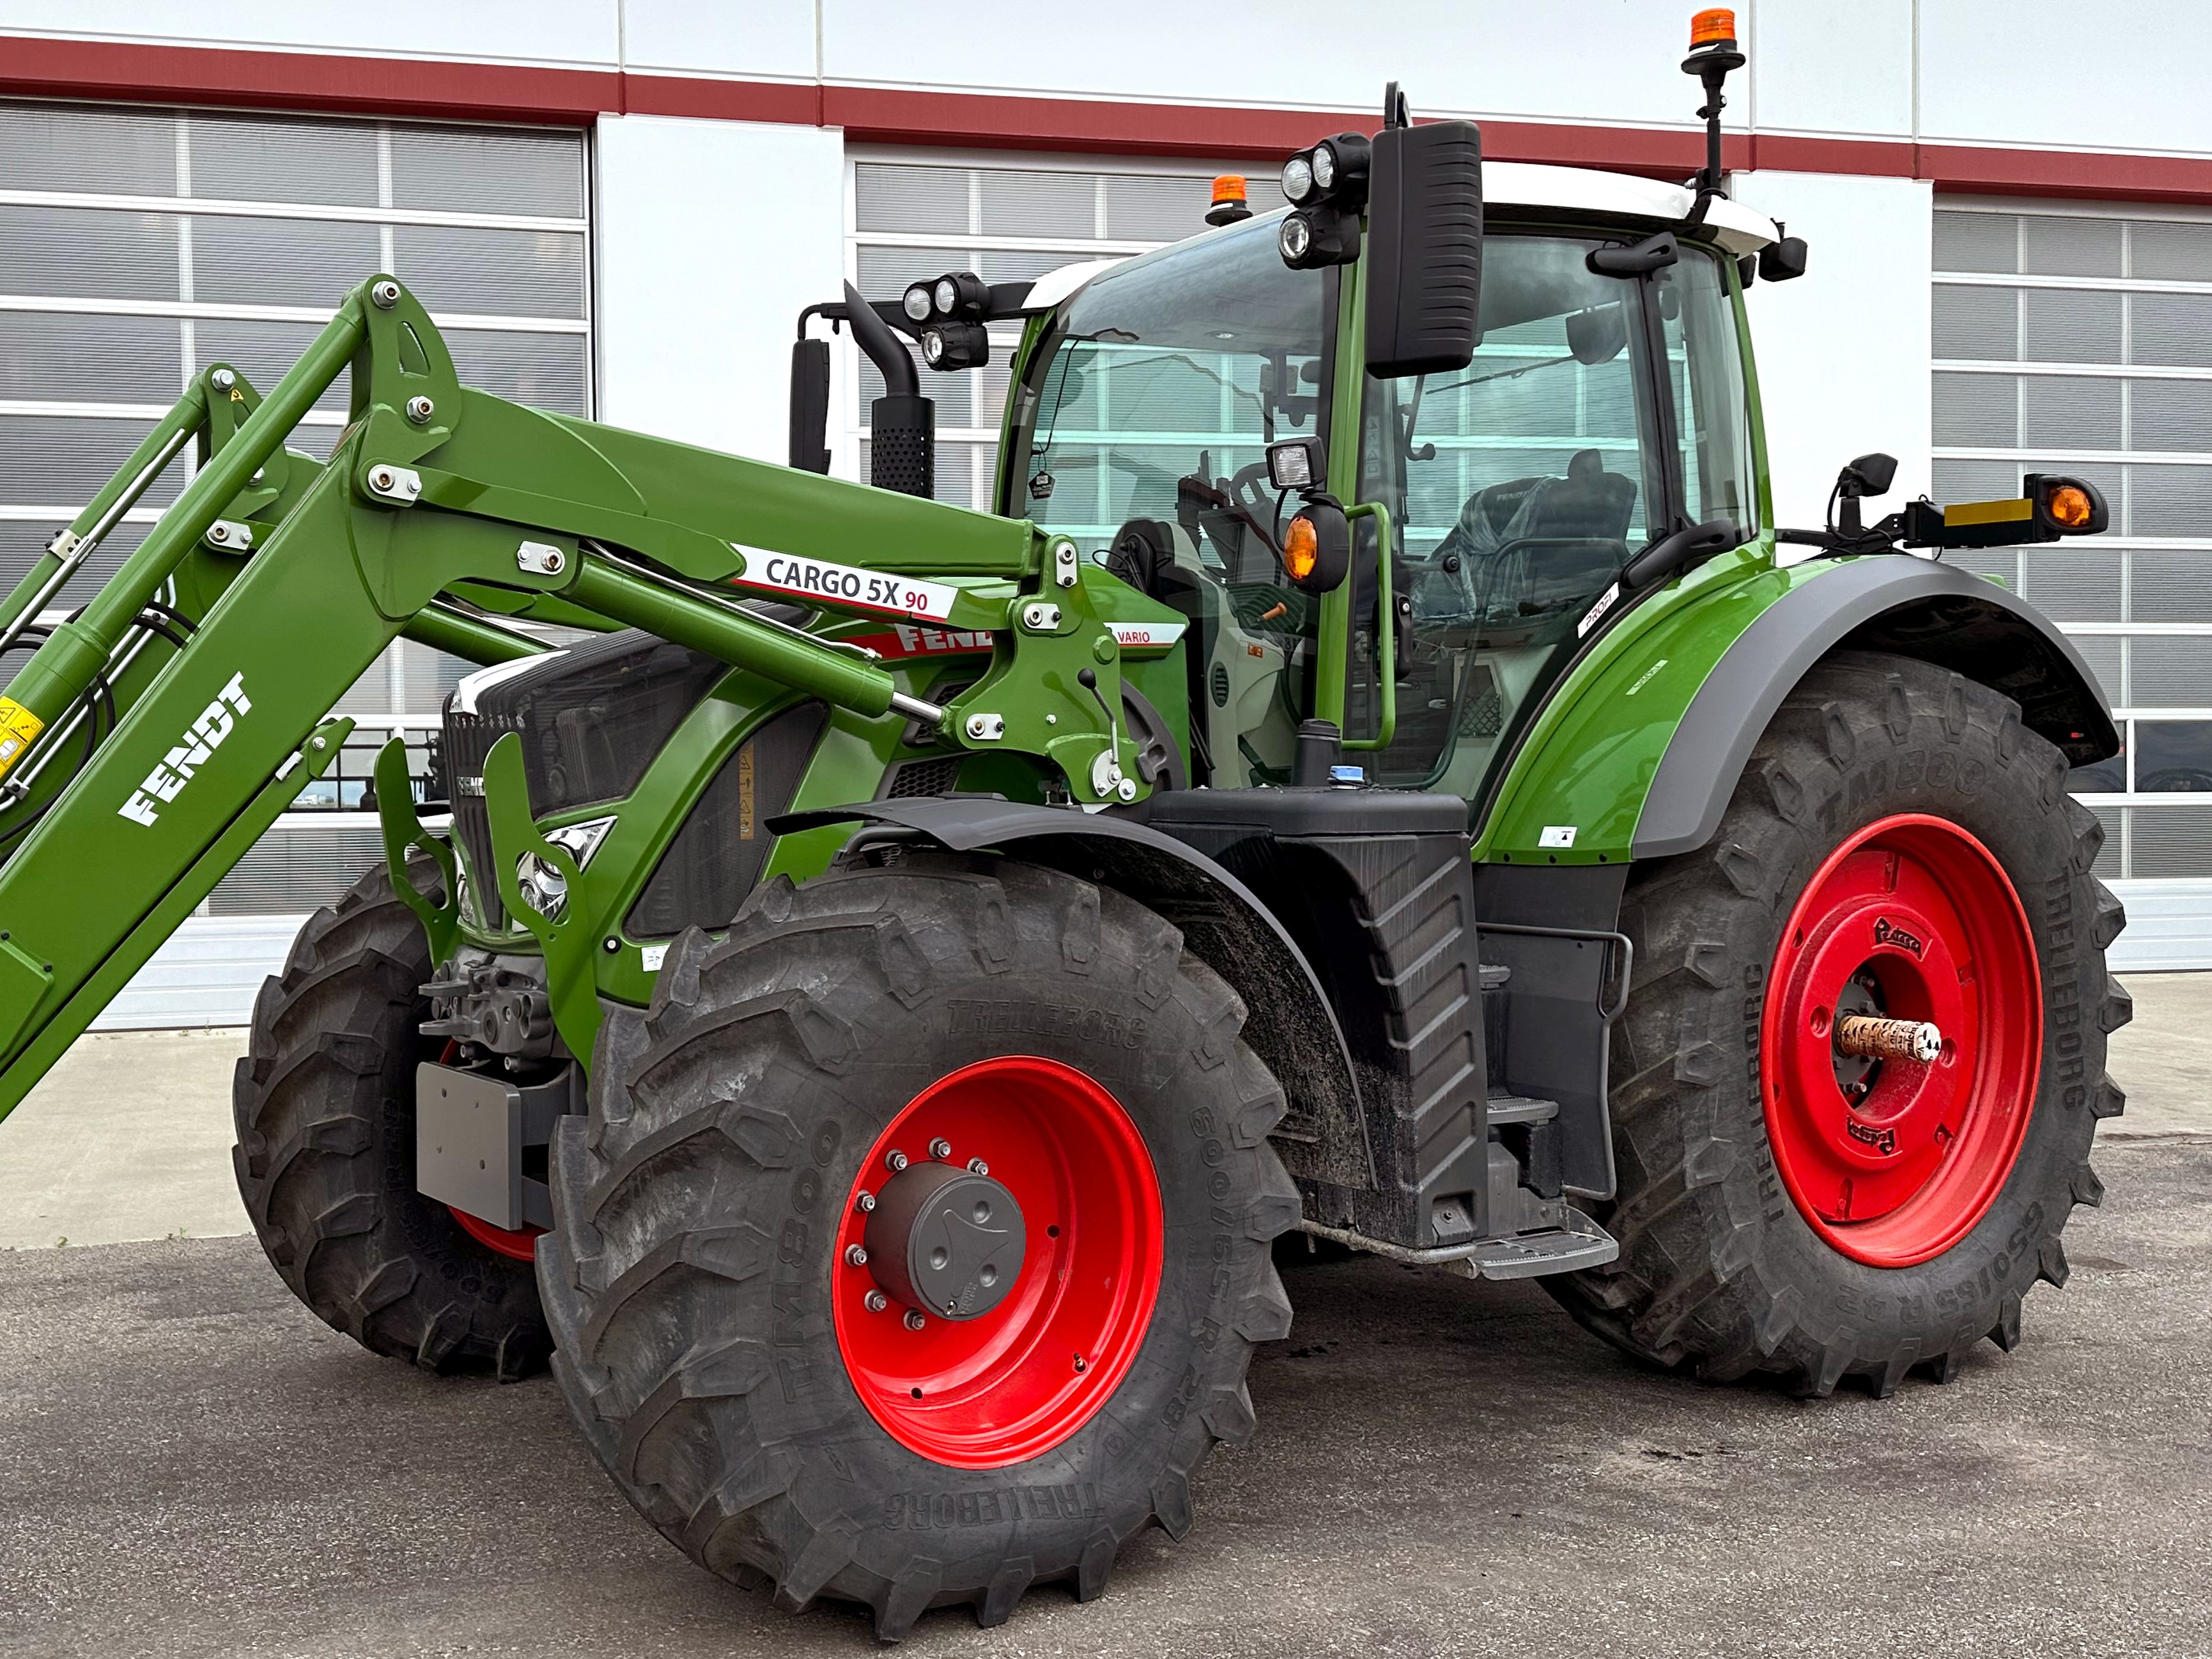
[(440, 502)]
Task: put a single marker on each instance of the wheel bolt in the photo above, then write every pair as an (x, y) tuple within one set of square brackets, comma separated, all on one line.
[(876, 1301), (1081, 1364), (897, 1160), (856, 1256), (940, 1148), (866, 1202), (915, 1320), (976, 1166)]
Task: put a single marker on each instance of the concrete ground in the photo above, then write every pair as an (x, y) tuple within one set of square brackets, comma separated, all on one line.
[(191, 1464), (195, 1466)]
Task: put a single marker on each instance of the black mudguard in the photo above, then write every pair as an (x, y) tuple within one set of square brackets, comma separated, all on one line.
[(1894, 603), (1290, 1023)]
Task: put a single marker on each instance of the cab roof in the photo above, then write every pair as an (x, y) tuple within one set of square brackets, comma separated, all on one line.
[(1527, 189)]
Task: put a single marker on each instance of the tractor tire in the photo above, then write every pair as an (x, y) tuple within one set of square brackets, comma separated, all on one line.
[(739, 1369), (1788, 1209), (325, 1106)]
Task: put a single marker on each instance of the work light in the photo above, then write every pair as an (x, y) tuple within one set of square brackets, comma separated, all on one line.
[(950, 346), (916, 302), (961, 294), (1298, 177)]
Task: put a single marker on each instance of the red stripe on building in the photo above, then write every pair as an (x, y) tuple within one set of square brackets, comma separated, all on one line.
[(39, 67)]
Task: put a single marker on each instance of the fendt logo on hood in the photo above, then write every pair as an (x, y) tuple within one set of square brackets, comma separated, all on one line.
[(201, 739)]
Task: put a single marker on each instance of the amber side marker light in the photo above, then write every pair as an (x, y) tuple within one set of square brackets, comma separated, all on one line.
[(1301, 550), (2070, 505)]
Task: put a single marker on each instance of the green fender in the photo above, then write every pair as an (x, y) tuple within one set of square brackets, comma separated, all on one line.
[(1639, 749)]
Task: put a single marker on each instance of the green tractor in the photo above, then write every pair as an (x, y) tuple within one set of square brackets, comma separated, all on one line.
[(870, 1015)]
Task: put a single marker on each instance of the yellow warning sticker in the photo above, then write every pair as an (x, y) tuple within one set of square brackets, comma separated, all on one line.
[(18, 726), (2004, 512)]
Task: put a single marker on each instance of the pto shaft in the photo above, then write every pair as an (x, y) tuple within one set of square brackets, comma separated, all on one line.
[(1871, 1038)]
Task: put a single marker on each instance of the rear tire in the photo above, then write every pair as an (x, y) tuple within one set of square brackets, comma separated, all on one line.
[(324, 1105), (698, 1275), (1727, 1265)]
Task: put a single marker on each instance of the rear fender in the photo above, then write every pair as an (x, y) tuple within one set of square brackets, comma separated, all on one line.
[(1636, 753), (1912, 607), (1289, 1024)]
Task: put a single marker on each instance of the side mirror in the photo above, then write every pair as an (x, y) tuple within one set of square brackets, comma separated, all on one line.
[(810, 406), (1779, 261), (1424, 249)]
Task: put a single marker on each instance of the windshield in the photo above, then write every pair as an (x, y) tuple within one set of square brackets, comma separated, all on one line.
[(1600, 412), (1141, 431)]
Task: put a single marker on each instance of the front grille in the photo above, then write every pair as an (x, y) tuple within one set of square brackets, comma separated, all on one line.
[(591, 719)]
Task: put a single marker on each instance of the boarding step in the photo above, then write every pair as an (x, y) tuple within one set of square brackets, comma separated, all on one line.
[(1581, 1243), (1521, 1109)]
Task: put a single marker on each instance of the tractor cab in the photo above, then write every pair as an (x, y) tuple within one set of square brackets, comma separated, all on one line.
[(1604, 407)]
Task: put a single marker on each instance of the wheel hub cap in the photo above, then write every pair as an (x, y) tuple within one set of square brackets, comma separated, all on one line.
[(1901, 1039), (945, 1239)]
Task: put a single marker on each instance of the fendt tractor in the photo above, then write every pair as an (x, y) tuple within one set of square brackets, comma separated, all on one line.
[(867, 1016)]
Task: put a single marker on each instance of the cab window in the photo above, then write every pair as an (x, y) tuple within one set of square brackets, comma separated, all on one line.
[(1600, 412), (1141, 431)]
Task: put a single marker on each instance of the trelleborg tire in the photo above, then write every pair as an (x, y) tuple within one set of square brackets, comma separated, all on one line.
[(325, 1107), (1897, 839), (725, 1352)]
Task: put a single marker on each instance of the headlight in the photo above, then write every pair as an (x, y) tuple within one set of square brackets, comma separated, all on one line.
[(948, 295), (916, 302), (1297, 178), (1324, 167), (545, 889), (933, 349), (1295, 238)]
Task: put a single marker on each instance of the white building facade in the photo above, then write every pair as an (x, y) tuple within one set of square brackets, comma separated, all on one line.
[(619, 208)]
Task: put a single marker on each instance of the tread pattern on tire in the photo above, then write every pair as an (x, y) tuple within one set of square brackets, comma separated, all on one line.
[(683, 1281), (1717, 1272), (324, 1108)]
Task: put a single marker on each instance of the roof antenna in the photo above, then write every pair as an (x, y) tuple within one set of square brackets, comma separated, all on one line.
[(1394, 112), (1713, 53)]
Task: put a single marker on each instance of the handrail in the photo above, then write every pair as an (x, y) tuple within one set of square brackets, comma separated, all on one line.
[(1386, 641)]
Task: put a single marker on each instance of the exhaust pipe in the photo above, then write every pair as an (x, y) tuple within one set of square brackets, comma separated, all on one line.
[(903, 423)]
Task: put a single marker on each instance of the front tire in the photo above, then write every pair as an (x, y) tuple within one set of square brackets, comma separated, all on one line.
[(325, 1107), (725, 1351), (1781, 1209)]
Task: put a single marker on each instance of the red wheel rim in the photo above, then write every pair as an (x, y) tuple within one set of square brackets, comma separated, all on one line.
[(1013, 1382), (1896, 1167), (521, 1243)]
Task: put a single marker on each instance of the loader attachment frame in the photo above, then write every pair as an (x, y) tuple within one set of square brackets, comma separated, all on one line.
[(441, 509)]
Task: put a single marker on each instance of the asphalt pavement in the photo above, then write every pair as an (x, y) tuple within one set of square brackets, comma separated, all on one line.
[(194, 1466)]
